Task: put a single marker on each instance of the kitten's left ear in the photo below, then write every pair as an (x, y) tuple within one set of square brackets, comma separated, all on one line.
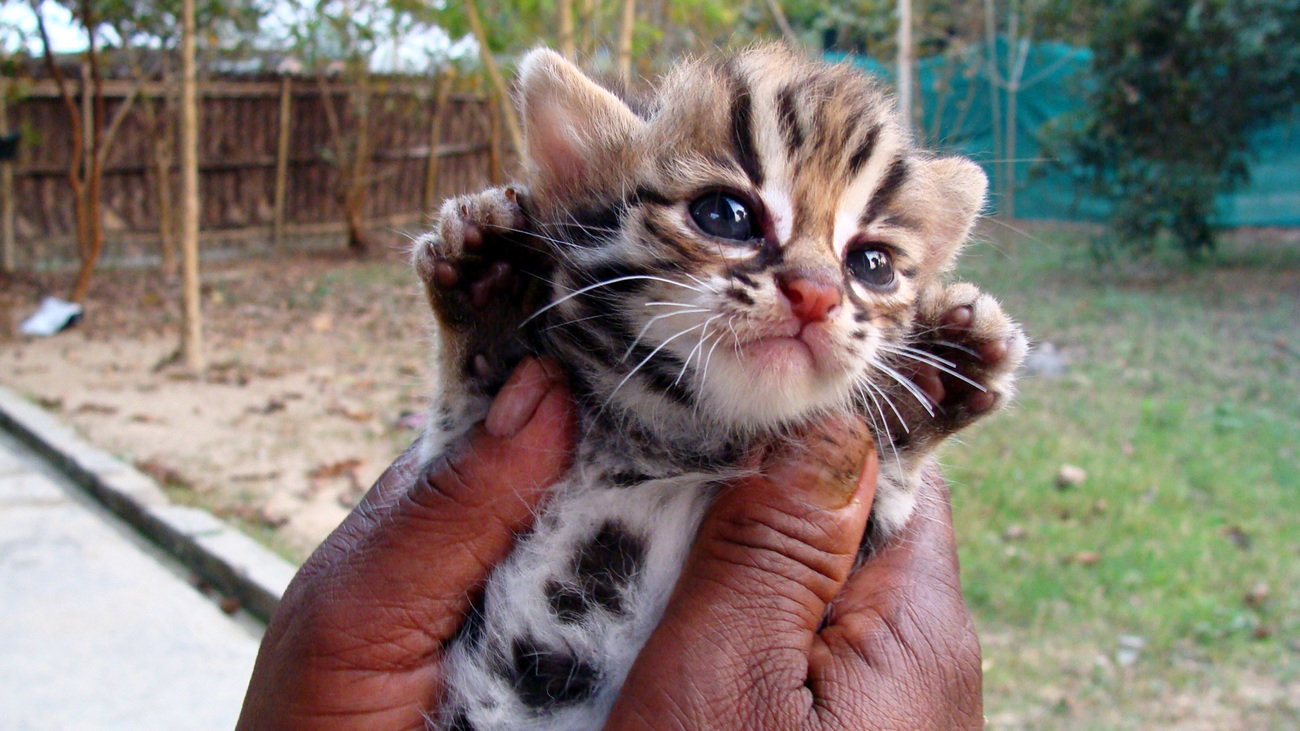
[(953, 193), (576, 132)]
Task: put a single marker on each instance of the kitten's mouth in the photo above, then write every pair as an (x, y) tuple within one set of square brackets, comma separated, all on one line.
[(807, 350)]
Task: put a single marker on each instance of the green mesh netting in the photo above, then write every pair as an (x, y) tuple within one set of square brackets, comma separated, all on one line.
[(960, 111)]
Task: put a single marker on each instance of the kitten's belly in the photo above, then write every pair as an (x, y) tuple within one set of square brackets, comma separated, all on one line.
[(563, 618)]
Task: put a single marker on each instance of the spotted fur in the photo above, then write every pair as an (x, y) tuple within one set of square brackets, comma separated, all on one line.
[(684, 350)]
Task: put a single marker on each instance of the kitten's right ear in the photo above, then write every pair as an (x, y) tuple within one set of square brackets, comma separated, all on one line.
[(575, 131)]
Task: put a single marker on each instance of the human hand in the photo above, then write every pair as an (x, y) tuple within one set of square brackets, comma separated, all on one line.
[(356, 642), (769, 627), (357, 639)]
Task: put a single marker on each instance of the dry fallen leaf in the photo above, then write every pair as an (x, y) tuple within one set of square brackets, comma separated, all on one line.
[(348, 412), (162, 473), (1084, 558), (93, 408), (1257, 595), (336, 469)]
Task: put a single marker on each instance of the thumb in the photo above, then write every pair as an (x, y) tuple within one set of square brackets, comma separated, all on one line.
[(775, 548)]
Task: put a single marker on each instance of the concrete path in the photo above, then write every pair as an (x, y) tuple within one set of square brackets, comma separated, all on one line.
[(98, 629)]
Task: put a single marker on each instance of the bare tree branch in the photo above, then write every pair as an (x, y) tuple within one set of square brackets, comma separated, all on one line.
[(494, 75)]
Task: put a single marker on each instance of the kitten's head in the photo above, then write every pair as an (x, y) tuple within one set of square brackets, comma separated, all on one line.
[(744, 247)]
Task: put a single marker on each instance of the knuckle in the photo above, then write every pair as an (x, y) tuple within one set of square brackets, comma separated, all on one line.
[(779, 548), (445, 485)]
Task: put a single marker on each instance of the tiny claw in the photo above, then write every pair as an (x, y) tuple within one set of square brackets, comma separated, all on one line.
[(958, 317), (510, 192), (927, 378), (445, 275), (482, 368), (981, 401), (993, 351), (472, 238)]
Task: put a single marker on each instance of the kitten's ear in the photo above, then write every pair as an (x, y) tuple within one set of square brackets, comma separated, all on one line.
[(575, 131), (955, 188)]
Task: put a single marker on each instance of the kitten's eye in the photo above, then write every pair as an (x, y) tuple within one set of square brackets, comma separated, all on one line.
[(722, 215), (872, 267)]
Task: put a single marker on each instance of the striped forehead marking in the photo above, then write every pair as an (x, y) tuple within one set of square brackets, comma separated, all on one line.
[(742, 125), (873, 188)]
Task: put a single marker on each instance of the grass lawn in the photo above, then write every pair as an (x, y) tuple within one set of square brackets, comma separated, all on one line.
[(1162, 591)]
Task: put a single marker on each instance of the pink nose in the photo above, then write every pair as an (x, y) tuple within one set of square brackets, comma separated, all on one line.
[(810, 300)]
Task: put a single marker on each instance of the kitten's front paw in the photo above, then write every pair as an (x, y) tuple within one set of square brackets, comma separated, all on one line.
[(470, 249), (962, 355), (484, 273)]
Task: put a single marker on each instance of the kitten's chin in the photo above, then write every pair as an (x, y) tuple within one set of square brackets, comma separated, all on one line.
[(780, 357), (775, 380)]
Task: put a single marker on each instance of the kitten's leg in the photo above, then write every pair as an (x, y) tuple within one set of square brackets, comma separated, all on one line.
[(484, 274), (961, 356)]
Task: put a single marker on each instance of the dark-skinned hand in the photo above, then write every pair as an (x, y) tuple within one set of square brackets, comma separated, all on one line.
[(358, 639)]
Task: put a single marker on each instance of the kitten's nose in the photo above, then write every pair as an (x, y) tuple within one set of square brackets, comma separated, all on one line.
[(810, 300)]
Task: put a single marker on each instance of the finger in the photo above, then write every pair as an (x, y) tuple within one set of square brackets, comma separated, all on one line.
[(435, 541), (922, 558), (899, 641), (774, 549)]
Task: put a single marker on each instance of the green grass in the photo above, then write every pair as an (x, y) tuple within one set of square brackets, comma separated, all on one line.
[(1182, 403)]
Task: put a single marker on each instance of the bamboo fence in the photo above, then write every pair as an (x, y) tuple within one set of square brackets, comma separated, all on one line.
[(267, 171)]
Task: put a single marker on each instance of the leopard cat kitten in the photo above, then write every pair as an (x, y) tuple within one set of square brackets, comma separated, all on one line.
[(760, 245)]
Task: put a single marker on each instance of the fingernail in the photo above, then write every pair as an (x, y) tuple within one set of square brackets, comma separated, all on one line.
[(518, 399), (824, 462)]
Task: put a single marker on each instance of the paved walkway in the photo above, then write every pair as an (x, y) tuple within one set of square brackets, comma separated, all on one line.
[(98, 629)]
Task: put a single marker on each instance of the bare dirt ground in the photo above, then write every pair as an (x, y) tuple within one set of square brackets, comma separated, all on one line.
[(316, 381)]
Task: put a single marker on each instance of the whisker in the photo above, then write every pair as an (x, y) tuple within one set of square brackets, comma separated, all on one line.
[(884, 423), (700, 282), (651, 322), (709, 359), (892, 407), (698, 347), (562, 323), (900, 349), (950, 371), (670, 304), (645, 360), (606, 283), (907, 384)]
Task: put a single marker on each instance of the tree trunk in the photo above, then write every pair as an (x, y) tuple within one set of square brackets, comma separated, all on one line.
[(77, 121), (282, 161), (625, 29), (92, 226), (995, 104), (564, 9), (435, 138), (786, 31), (905, 61), (591, 23), (192, 326), (7, 254), (355, 196)]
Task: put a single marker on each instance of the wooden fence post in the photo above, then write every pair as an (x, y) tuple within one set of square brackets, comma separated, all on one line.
[(495, 172), (435, 139), (282, 161), (7, 254)]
